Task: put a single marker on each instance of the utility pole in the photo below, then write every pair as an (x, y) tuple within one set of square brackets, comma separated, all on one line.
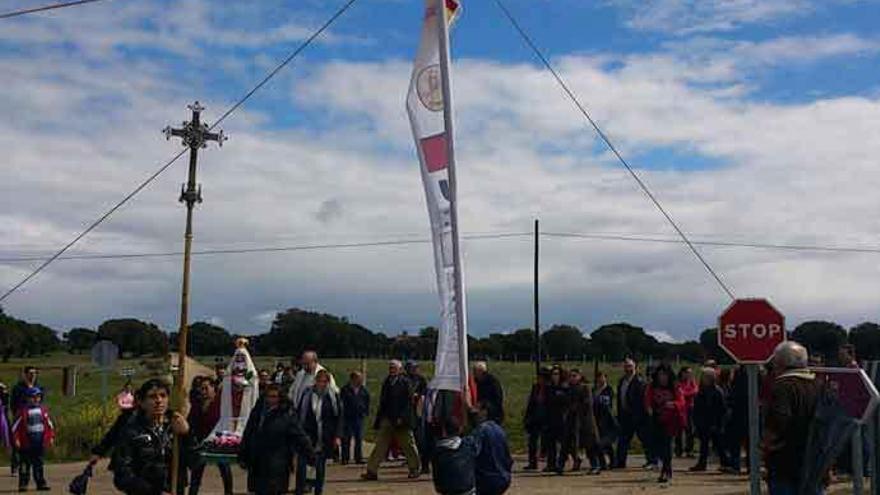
[(537, 306), (194, 135)]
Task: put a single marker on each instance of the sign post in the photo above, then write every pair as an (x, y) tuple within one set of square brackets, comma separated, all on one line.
[(104, 356), (749, 330)]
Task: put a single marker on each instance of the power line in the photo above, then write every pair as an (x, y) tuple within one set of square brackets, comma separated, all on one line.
[(305, 247), (308, 41), (604, 137), (44, 8), (752, 245), (471, 237)]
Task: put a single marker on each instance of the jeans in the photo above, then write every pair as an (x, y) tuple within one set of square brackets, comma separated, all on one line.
[(554, 447), (716, 440), (534, 443), (662, 445), (629, 428), (196, 472), (31, 461), (353, 430), (320, 471), (684, 442)]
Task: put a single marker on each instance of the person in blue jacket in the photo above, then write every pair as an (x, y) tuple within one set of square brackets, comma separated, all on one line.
[(494, 463)]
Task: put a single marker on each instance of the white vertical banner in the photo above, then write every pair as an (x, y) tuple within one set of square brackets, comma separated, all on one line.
[(429, 105)]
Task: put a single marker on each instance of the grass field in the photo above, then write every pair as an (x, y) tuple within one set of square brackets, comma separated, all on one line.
[(81, 420)]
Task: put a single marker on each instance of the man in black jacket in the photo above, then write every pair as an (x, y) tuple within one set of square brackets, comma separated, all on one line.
[(709, 413), (142, 459), (631, 414), (394, 419), (489, 391), (356, 407), (271, 439)]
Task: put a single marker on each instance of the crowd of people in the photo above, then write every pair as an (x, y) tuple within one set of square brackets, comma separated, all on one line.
[(302, 420)]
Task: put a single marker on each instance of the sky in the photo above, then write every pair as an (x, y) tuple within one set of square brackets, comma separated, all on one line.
[(751, 120)]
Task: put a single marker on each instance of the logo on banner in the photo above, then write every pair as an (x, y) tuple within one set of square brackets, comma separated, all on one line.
[(429, 88)]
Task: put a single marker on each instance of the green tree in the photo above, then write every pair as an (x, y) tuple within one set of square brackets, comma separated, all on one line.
[(134, 337), (206, 339), (563, 340), (866, 338), (709, 343), (80, 340), (821, 337)]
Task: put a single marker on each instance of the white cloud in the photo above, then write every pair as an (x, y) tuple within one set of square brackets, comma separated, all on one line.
[(663, 336), (696, 16), (78, 135)]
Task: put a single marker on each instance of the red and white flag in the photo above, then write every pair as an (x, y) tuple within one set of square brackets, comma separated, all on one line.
[(430, 115)]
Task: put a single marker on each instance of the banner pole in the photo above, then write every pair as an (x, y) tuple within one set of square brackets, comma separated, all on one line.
[(448, 121)]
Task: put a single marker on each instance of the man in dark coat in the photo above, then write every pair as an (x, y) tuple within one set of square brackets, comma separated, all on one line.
[(394, 420), (558, 401), (792, 406), (142, 459), (271, 439), (631, 414), (535, 420), (489, 391), (356, 407), (736, 426), (708, 417)]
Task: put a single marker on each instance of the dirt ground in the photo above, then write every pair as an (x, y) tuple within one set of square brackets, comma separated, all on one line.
[(344, 480)]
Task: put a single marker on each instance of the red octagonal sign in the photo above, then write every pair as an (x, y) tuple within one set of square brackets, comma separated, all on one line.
[(750, 329)]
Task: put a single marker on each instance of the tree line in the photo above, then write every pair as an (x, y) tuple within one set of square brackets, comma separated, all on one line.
[(332, 336)]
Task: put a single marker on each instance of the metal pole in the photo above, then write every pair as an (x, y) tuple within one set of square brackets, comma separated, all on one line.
[(537, 302), (104, 385), (446, 86), (754, 464), (858, 462)]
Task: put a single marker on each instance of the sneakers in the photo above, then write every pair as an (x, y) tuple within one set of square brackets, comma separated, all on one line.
[(594, 471), (698, 468), (43, 488), (649, 466), (368, 476), (413, 475)]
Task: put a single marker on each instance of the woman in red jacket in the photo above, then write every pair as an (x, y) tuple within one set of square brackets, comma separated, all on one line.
[(665, 406)]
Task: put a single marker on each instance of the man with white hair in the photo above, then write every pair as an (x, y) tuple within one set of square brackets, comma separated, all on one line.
[(305, 378), (632, 415), (790, 410), (394, 420), (489, 391)]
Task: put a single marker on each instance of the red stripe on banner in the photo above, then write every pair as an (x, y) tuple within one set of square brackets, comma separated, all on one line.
[(436, 152)]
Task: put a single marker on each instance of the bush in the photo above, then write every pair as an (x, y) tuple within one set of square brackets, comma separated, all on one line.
[(80, 428)]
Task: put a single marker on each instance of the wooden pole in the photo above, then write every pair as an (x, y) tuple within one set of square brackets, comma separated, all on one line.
[(195, 135)]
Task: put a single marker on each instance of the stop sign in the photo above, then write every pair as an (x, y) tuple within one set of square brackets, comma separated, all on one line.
[(750, 329)]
